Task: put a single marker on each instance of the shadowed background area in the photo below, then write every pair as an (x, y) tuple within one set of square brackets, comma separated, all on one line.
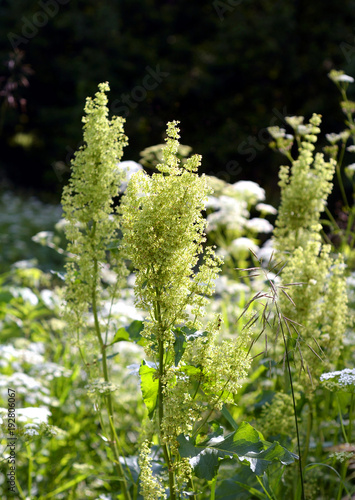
[(225, 69)]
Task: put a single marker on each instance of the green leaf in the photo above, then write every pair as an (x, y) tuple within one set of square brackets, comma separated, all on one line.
[(246, 443), (130, 333), (66, 486), (179, 346), (182, 336), (234, 487), (5, 296), (229, 417), (149, 387), (204, 461), (253, 491), (190, 370)]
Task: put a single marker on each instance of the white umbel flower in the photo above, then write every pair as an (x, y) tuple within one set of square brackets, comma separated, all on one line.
[(259, 225), (250, 191)]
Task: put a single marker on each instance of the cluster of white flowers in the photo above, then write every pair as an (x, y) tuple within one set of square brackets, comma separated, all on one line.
[(231, 208), (266, 251), (240, 245), (31, 390), (49, 371), (344, 378), (350, 169), (20, 220), (340, 76), (230, 212), (33, 415), (264, 208), (259, 225), (15, 357), (100, 386), (31, 359), (334, 138), (249, 191)]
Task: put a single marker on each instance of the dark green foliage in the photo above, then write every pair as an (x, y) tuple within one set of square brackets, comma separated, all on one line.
[(222, 75)]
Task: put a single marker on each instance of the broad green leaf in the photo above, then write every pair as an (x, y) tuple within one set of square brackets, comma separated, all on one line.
[(130, 333), (229, 490), (122, 334), (246, 443), (191, 370), (204, 461), (253, 491), (133, 468), (149, 387), (206, 464)]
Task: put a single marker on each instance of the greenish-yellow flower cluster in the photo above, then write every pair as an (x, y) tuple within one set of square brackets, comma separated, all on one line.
[(163, 233), (321, 301), (304, 190), (277, 417), (88, 205), (151, 488), (224, 364), (180, 410)]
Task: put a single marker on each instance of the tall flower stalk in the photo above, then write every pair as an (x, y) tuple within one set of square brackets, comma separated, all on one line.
[(317, 309), (189, 372), (163, 236), (88, 205)]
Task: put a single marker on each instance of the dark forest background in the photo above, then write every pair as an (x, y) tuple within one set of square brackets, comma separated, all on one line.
[(225, 69)]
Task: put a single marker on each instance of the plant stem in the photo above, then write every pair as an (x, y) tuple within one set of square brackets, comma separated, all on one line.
[(351, 417), (308, 436), (107, 397), (340, 180), (341, 421), (294, 406), (19, 489), (30, 468), (161, 395), (344, 467), (263, 487), (192, 488), (213, 488)]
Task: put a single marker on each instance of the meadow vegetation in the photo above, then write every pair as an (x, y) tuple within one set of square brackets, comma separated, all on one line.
[(170, 335)]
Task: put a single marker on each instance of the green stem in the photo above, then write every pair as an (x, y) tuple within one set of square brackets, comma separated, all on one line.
[(107, 397), (192, 488), (263, 487), (351, 410), (213, 488), (341, 421), (344, 467), (161, 395), (300, 463), (30, 468), (19, 489), (341, 185), (308, 436), (349, 226)]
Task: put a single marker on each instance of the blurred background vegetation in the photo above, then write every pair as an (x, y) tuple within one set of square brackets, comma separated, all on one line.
[(226, 69)]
